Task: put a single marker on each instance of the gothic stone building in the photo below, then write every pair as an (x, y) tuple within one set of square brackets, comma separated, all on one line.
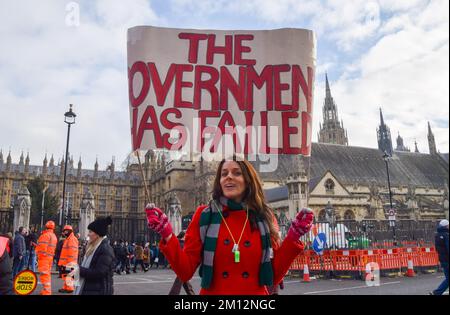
[(352, 179), (119, 194)]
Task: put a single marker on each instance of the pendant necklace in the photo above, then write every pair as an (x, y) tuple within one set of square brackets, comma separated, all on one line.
[(235, 250)]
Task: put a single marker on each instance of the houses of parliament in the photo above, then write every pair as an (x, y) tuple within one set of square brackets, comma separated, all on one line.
[(351, 179)]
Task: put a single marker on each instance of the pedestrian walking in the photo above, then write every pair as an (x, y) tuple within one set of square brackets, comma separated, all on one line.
[(233, 239), (155, 256), (6, 280), (123, 258), (97, 269), (441, 243), (139, 258), (30, 256), (68, 258), (147, 256), (19, 250), (59, 246), (45, 250), (162, 259), (116, 249), (131, 258)]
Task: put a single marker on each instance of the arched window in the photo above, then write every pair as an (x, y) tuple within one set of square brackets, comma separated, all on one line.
[(349, 215), (329, 186)]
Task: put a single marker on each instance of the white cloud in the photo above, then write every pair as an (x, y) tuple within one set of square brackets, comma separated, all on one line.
[(45, 65), (407, 74), (402, 5)]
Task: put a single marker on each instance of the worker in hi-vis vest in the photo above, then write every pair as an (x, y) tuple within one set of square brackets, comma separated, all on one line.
[(45, 251), (68, 258)]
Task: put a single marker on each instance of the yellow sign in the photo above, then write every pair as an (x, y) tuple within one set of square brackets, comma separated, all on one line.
[(25, 283)]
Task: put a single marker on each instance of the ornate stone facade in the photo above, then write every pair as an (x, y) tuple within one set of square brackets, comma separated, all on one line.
[(119, 194), (332, 130)]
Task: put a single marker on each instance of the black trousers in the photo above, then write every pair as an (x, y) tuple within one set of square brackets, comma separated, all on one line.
[(124, 264), (139, 262)]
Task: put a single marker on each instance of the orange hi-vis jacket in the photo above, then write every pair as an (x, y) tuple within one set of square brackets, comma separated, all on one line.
[(4, 245), (46, 244), (69, 251)]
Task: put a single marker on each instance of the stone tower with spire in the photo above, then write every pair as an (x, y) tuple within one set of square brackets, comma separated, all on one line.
[(431, 141), (401, 145), (384, 137), (416, 149), (332, 130)]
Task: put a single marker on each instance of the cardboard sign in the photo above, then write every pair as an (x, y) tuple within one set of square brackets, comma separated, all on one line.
[(210, 91)]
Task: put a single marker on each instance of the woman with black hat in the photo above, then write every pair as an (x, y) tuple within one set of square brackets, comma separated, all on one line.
[(97, 269)]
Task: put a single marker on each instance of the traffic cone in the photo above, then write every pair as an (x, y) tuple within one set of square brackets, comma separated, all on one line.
[(410, 272), (306, 273)]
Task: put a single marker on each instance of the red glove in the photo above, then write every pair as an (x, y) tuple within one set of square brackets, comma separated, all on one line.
[(301, 225), (158, 221)]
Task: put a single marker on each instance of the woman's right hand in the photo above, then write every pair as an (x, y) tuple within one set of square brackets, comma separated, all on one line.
[(158, 221)]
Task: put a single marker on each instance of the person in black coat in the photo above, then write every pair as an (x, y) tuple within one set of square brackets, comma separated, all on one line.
[(97, 269), (122, 257), (19, 250), (58, 249), (441, 243)]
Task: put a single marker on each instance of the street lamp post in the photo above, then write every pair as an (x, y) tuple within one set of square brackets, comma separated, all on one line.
[(69, 119), (42, 208), (386, 157)]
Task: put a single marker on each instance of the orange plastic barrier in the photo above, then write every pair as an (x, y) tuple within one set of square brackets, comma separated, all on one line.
[(410, 253), (369, 256), (390, 259), (394, 259), (322, 262), (298, 262), (347, 260), (428, 257)]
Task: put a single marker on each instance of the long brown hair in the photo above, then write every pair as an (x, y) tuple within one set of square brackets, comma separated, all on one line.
[(253, 196)]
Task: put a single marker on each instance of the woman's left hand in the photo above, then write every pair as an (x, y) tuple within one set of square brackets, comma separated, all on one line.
[(301, 225)]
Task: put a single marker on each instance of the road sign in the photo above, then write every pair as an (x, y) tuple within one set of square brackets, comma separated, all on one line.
[(392, 221), (319, 243), (25, 283)]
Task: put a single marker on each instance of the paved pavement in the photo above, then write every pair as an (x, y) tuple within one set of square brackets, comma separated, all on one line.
[(159, 282)]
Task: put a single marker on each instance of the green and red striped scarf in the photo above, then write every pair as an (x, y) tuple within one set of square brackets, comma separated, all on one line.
[(210, 221)]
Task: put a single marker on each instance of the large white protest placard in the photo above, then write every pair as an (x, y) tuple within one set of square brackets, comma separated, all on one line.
[(206, 90)]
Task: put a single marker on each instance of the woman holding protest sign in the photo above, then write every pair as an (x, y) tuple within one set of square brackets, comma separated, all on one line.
[(234, 239)]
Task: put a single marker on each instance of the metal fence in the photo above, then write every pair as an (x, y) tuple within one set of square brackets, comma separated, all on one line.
[(345, 234), (130, 229), (350, 234)]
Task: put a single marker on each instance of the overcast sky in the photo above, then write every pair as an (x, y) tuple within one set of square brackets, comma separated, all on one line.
[(392, 54)]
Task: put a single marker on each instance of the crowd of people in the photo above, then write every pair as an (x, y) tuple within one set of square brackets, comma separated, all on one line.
[(235, 240), (93, 259), (24, 251), (131, 256)]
